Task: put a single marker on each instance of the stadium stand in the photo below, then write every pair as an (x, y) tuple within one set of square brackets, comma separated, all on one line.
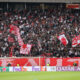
[(39, 25)]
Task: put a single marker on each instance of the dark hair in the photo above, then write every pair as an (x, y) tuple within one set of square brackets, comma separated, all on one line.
[(74, 64), (9, 64)]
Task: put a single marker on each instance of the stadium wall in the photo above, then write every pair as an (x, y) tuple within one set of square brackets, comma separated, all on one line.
[(46, 1), (38, 61)]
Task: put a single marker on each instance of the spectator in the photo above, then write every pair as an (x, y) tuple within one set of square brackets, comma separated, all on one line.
[(40, 29)]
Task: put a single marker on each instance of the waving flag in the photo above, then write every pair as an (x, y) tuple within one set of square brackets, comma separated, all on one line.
[(61, 19), (11, 51), (76, 41), (63, 39), (25, 49), (13, 29), (10, 39), (20, 40)]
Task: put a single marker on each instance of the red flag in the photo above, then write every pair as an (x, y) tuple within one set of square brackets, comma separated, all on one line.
[(10, 52), (61, 19), (76, 41), (13, 29), (25, 48), (63, 39), (10, 39), (20, 41), (73, 6)]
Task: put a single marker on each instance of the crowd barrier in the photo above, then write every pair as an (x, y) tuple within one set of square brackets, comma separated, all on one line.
[(38, 68), (39, 61)]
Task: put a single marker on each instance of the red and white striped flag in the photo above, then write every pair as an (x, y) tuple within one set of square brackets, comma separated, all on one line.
[(63, 39), (60, 19), (20, 40), (25, 49), (13, 29), (76, 41)]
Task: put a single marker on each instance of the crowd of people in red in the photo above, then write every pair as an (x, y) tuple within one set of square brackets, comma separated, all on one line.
[(41, 29)]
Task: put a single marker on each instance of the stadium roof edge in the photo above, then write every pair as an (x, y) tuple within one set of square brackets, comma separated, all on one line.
[(58, 1)]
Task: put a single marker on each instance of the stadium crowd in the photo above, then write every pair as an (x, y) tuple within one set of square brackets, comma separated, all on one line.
[(41, 29)]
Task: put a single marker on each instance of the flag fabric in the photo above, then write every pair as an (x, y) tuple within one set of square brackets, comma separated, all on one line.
[(11, 51), (13, 29), (10, 39), (20, 41), (25, 49), (61, 19), (76, 41), (63, 39), (73, 6)]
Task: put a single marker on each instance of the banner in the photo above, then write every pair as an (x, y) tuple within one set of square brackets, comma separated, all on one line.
[(39, 68), (36, 68), (18, 69), (4, 69), (50, 68), (73, 6), (25, 68), (68, 68), (21, 61), (40, 61)]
